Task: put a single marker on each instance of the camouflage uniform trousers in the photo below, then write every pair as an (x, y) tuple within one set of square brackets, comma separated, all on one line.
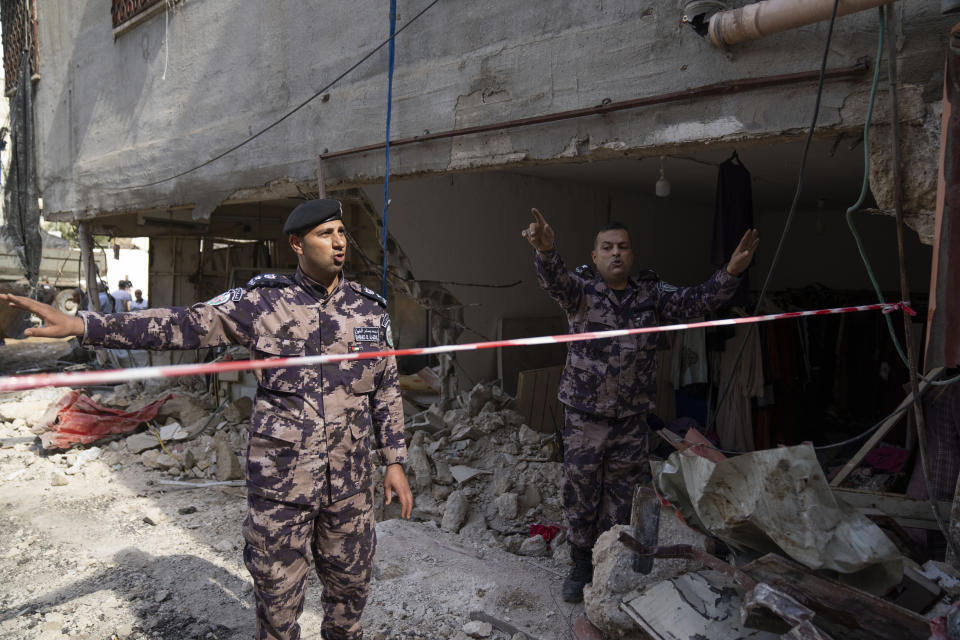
[(280, 538), (603, 460)]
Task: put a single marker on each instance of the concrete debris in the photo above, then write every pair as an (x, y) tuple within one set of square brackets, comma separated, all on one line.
[(228, 466), (172, 431), (475, 481), (140, 442), (238, 411), (613, 574), (478, 397), (431, 421), (702, 604), (477, 629), (507, 506), (528, 436), (186, 409), (420, 465), (455, 512), (535, 547), (462, 473)]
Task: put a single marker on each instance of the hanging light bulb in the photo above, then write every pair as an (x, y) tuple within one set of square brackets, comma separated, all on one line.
[(663, 185)]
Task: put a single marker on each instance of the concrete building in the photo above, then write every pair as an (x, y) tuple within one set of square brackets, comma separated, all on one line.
[(132, 108)]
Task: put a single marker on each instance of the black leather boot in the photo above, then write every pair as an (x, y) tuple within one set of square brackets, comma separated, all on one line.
[(580, 574)]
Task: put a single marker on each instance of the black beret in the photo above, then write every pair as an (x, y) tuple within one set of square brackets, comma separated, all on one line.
[(311, 213)]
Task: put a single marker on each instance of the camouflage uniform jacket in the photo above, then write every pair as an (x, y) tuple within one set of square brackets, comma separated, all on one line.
[(616, 377), (310, 428)]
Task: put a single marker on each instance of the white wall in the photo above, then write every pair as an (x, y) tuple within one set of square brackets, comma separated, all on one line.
[(133, 264)]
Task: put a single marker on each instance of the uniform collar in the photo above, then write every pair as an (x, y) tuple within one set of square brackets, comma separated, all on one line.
[(315, 287), (604, 290)]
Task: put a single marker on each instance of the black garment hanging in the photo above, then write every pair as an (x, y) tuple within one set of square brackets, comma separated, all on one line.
[(733, 215)]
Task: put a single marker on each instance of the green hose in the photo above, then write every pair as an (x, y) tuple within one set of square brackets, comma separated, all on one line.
[(863, 194)]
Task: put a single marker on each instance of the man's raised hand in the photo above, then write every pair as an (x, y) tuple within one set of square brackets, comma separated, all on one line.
[(743, 254), (55, 323), (539, 234)]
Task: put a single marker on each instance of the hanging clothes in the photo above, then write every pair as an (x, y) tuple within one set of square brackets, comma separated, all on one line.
[(732, 216), (734, 418), (690, 357)]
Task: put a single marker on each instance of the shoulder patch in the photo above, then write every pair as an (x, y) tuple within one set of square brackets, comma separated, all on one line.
[(387, 329), (226, 296), (666, 288), (373, 295), (268, 280)]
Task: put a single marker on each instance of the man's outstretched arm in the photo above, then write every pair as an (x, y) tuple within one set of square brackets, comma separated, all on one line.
[(688, 302), (201, 325)]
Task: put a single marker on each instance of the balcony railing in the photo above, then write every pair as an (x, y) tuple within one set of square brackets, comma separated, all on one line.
[(19, 29), (123, 10)]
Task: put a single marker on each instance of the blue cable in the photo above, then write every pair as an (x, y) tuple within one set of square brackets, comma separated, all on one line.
[(386, 170)]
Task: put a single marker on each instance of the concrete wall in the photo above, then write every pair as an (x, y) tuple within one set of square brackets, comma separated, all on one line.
[(466, 228), (118, 111)]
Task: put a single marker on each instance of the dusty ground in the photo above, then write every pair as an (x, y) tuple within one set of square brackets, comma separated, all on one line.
[(101, 549)]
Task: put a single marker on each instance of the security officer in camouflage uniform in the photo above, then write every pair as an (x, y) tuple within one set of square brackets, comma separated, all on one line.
[(309, 467), (608, 386)]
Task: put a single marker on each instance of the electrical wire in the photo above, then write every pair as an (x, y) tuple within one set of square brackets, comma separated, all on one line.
[(791, 212), (863, 194), (295, 109), (386, 147)]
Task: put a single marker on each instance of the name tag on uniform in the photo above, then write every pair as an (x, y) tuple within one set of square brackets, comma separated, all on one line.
[(366, 334)]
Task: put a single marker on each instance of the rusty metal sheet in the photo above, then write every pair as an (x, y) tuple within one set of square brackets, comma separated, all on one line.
[(943, 339)]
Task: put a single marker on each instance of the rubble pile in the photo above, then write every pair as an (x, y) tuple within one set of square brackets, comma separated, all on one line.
[(481, 478), (478, 470), (487, 490)]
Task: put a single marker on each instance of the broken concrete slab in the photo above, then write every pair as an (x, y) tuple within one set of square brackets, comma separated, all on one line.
[(461, 473), (430, 421), (185, 409), (478, 629), (477, 397), (614, 577), (140, 442), (172, 431), (534, 546), (528, 436), (228, 466), (702, 604)]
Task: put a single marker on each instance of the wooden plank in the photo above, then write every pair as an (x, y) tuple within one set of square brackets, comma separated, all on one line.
[(842, 611), (878, 435), (525, 383), (907, 511)]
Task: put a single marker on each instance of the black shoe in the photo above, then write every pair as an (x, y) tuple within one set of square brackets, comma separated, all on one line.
[(580, 574)]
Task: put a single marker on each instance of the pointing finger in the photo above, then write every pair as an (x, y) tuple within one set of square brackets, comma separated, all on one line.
[(538, 216)]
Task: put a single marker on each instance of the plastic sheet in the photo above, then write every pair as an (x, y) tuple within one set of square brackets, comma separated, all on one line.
[(778, 500)]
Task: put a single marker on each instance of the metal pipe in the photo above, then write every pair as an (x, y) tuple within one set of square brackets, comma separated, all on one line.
[(773, 16), (85, 238), (720, 88)]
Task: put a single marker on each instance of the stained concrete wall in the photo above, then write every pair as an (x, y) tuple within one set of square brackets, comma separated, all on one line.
[(466, 228), (117, 111)]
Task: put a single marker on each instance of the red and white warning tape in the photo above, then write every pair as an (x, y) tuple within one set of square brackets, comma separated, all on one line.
[(87, 378)]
